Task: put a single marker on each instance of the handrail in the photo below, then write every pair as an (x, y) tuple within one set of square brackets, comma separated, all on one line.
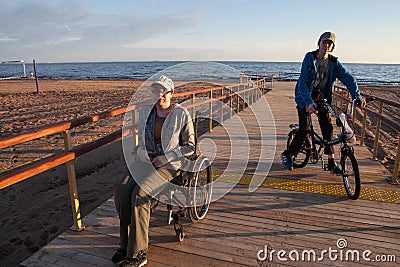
[(384, 100), (19, 139), (31, 169), (71, 153), (379, 117)]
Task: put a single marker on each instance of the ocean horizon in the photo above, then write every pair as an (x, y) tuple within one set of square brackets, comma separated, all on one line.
[(366, 73)]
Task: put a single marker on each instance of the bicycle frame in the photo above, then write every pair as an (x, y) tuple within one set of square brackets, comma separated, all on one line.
[(316, 140)]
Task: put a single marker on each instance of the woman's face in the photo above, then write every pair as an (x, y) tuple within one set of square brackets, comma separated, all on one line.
[(326, 46), (164, 97)]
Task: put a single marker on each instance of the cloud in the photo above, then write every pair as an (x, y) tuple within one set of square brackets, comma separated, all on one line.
[(50, 25), (63, 40), (7, 39)]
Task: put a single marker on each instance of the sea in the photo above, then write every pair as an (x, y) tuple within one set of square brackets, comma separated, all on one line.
[(388, 74)]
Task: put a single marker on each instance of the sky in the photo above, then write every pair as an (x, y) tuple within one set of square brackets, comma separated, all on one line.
[(208, 30)]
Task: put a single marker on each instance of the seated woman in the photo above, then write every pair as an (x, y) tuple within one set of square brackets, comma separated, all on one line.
[(166, 134)]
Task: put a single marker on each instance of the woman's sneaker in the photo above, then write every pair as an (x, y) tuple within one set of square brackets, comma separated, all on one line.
[(119, 256), (139, 261), (287, 160)]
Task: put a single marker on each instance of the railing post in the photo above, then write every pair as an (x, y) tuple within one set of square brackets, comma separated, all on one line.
[(250, 95), (221, 105), (244, 97), (336, 97), (354, 120), (364, 125), (193, 108), (341, 98), (264, 84), (395, 177), (272, 80), (211, 113), (238, 99), (231, 106), (73, 189), (135, 127), (378, 129)]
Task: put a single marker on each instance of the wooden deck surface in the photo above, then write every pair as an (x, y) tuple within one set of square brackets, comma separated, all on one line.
[(242, 223)]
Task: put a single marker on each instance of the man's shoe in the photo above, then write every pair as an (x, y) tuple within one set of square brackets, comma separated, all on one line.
[(334, 169), (119, 256), (287, 160), (139, 261)]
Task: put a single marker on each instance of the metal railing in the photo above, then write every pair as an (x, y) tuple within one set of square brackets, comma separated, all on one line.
[(245, 93)]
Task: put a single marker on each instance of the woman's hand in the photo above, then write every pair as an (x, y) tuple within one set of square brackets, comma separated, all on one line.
[(159, 161)]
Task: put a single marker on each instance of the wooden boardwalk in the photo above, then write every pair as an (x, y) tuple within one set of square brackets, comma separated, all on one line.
[(243, 225)]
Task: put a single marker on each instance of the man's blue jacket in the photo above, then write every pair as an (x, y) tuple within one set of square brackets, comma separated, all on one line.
[(305, 83)]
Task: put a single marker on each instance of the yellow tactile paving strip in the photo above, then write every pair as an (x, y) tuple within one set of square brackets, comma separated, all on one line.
[(372, 194)]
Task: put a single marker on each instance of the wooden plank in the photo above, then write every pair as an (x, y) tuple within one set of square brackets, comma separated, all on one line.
[(76, 252)]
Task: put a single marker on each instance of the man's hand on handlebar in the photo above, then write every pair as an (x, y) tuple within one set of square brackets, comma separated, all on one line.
[(312, 108), (361, 103)]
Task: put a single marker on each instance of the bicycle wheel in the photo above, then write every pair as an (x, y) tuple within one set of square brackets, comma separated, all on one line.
[(351, 175), (302, 158), (201, 190)]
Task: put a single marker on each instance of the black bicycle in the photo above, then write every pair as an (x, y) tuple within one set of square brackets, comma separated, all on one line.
[(310, 154)]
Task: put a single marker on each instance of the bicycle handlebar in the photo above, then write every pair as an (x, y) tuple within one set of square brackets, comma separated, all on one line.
[(325, 103)]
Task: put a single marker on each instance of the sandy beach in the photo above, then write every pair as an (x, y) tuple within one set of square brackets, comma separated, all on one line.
[(38, 209)]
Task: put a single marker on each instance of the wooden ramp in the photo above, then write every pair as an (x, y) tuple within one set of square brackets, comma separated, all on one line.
[(284, 222)]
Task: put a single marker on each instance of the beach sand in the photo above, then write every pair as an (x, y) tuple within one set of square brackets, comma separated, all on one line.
[(38, 209)]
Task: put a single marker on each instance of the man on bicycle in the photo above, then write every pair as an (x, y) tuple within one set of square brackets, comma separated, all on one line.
[(319, 71)]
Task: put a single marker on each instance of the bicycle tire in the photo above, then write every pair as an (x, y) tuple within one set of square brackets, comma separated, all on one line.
[(302, 158), (351, 175), (201, 190)]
